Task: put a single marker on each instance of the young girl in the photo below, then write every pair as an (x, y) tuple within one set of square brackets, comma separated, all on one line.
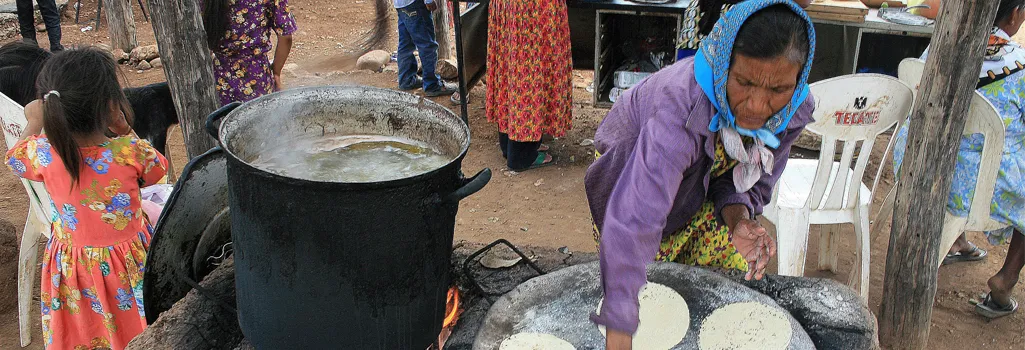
[(238, 33), (91, 292)]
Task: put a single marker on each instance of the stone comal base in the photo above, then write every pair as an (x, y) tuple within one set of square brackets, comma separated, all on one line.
[(200, 322)]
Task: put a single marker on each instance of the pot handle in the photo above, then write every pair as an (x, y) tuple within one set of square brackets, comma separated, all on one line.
[(474, 184), (213, 118)]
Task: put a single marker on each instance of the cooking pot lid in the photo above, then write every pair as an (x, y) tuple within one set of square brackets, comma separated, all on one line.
[(192, 223)]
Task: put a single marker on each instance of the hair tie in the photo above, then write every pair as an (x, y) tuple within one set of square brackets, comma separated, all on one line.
[(52, 92)]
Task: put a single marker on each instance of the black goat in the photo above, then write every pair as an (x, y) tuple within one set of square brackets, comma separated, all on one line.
[(20, 64)]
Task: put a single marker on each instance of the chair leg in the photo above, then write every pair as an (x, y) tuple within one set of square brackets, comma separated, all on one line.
[(792, 240), (99, 12), (27, 275), (829, 252), (860, 274)]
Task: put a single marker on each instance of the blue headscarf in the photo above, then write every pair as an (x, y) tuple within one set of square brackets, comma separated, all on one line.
[(712, 65)]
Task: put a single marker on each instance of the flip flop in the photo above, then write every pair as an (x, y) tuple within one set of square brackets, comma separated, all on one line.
[(991, 310), (540, 162), (456, 99), (957, 257)]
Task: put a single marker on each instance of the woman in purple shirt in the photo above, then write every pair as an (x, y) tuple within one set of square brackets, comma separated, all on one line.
[(238, 33), (689, 156)]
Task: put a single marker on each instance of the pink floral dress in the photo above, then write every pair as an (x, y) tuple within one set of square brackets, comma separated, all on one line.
[(241, 64), (91, 291)]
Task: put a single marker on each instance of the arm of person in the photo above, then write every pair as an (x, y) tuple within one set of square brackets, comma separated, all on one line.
[(636, 216), (738, 210), (23, 158), (284, 26), (151, 165)]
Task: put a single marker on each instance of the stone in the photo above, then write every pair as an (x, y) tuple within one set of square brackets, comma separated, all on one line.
[(447, 69), (144, 53), (124, 57), (560, 303), (144, 66), (373, 61), (107, 48), (156, 63)]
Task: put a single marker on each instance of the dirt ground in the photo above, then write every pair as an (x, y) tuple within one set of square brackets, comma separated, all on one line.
[(544, 207)]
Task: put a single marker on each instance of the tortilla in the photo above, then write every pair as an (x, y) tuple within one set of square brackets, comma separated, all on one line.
[(664, 318), (535, 341), (748, 325)]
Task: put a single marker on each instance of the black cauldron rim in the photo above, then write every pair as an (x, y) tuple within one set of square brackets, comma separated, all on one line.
[(215, 128)]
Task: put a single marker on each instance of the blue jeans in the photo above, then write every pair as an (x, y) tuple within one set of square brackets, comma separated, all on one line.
[(416, 31), (26, 21)]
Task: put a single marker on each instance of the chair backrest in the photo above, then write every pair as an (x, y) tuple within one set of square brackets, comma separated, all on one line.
[(983, 118), (851, 109), (12, 118)]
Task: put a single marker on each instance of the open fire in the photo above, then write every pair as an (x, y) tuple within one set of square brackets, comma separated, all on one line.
[(452, 312)]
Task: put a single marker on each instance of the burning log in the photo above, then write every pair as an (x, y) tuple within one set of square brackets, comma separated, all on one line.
[(198, 321)]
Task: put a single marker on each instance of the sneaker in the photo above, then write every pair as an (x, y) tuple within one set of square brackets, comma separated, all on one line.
[(416, 85), (445, 90)]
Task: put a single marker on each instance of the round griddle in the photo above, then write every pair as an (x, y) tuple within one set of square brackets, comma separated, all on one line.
[(193, 225), (560, 303)]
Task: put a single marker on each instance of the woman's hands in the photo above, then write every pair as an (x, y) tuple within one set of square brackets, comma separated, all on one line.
[(751, 240), (755, 245), (616, 340)]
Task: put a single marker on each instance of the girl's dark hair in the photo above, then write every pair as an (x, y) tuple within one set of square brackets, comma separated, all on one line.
[(771, 32), (20, 64), (1007, 8), (86, 82), (215, 21)]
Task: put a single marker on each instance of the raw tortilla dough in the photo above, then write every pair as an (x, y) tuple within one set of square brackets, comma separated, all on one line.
[(664, 318), (535, 341), (748, 325)]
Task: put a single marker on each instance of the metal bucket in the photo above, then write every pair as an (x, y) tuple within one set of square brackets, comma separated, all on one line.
[(328, 265)]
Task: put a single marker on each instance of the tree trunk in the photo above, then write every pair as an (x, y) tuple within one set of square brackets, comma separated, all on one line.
[(121, 23), (441, 29), (951, 72), (188, 65), (197, 321)]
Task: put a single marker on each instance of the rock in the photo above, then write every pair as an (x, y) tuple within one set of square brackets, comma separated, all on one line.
[(447, 69), (373, 61), (144, 53), (40, 27), (144, 66), (156, 63), (124, 58), (587, 142), (808, 140), (560, 303)]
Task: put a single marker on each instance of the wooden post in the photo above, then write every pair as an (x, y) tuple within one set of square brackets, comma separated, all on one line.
[(938, 120), (188, 65), (441, 29), (121, 24)]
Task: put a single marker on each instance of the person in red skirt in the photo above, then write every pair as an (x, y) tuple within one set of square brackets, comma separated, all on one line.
[(529, 89)]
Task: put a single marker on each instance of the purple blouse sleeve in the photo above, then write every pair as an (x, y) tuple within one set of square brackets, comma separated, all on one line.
[(284, 22), (636, 215)]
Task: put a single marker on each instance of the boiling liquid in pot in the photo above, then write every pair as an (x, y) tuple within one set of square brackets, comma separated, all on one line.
[(351, 158)]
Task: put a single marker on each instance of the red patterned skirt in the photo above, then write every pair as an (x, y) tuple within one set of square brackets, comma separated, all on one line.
[(530, 68)]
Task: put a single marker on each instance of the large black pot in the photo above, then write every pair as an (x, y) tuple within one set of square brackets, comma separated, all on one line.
[(327, 265)]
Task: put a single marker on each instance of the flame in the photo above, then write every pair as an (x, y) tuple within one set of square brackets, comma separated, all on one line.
[(452, 313), (452, 310)]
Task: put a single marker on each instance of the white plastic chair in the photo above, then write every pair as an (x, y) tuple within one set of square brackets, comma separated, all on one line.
[(826, 192), (40, 213), (984, 119)]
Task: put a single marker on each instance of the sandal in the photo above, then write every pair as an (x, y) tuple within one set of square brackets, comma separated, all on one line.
[(543, 160), (991, 310), (456, 99), (974, 254)]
